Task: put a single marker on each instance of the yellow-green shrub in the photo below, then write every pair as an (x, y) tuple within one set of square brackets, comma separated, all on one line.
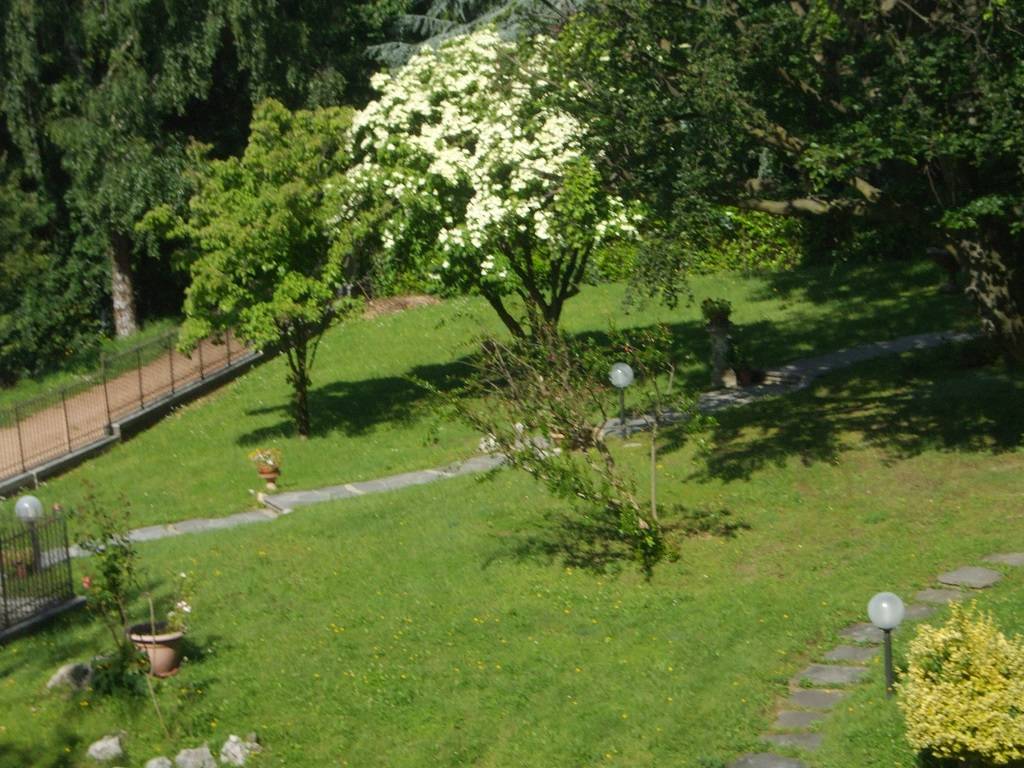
[(963, 695)]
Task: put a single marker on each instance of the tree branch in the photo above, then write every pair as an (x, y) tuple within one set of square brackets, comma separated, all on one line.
[(797, 205), (506, 317)]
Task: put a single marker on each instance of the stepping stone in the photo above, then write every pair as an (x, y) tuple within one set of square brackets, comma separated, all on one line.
[(971, 576), (150, 533), (829, 674), (472, 465), (858, 654), (808, 698), (395, 482), (788, 721), (808, 741), (863, 633), (191, 526), (1008, 558), (939, 596), (917, 611), (765, 760)]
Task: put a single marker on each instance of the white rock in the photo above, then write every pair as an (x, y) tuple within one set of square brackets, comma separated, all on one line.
[(236, 750), (75, 676), (200, 757), (107, 748), (159, 762)]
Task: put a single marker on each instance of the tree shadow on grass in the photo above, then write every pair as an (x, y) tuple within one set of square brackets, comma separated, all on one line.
[(356, 407), (858, 282), (577, 540), (868, 303), (903, 406)]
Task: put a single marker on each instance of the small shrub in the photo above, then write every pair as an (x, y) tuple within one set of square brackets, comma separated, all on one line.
[(751, 242), (104, 532), (963, 694)]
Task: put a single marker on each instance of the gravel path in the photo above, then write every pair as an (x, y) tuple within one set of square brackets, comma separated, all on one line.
[(73, 421)]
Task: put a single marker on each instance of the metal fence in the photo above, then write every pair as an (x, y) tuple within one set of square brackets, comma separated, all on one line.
[(35, 570), (38, 430)]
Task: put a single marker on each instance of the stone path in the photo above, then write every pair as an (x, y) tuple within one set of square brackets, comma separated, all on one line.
[(817, 688), (282, 504), (286, 502), (788, 378), (800, 373)]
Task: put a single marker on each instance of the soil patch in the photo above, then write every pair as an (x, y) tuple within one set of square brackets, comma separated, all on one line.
[(389, 305)]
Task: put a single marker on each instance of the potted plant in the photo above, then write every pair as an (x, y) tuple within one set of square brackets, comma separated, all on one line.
[(268, 464), (161, 640), (716, 312)]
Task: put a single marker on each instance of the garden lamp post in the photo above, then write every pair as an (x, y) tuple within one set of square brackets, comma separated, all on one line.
[(29, 510), (621, 376), (886, 611)]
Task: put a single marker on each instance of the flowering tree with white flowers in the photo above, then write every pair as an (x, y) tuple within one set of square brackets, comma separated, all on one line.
[(467, 171)]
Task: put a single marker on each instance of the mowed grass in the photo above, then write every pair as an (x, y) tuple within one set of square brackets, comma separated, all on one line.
[(441, 626), (370, 421)]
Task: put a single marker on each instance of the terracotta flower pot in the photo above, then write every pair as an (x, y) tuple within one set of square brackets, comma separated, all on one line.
[(269, 475), (162, 647)]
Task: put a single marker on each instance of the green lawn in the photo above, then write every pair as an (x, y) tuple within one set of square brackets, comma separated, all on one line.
[(369, 421), (441, 625)]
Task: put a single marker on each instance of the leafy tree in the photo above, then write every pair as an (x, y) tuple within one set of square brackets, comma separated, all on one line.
[(878, 113), (46, 302), (432, 22), (101, 99), (541, 404), (265, 268), (466, 171)]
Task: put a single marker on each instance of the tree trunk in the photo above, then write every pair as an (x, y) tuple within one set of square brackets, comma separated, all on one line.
[(991, 286), (513, 325), (122, 287), (302, 406), (298, 377)]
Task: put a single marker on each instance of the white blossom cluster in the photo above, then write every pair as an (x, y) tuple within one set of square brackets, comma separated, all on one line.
[(463, 140)]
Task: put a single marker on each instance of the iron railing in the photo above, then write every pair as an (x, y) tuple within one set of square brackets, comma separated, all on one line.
[(56, 423), (35, 569)]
